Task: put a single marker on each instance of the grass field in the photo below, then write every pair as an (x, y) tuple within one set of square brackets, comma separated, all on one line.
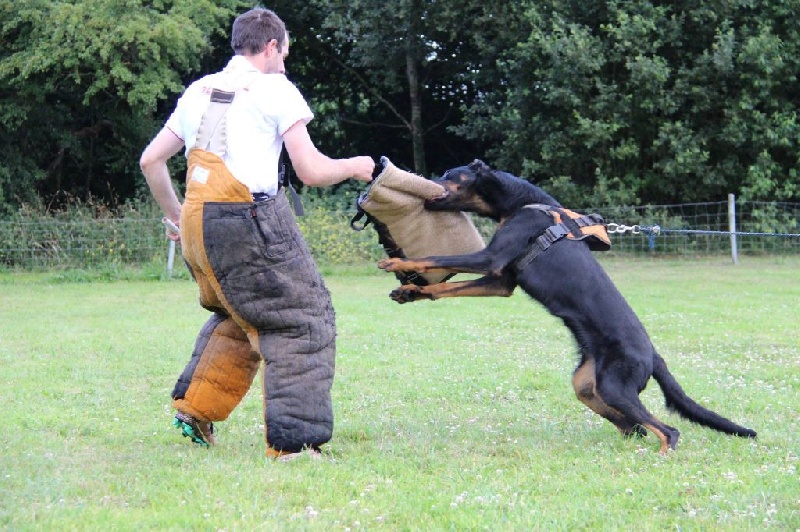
[(450, 415)]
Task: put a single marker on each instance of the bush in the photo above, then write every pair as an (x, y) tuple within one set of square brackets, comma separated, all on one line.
[(82, 234), (91, 236), (88, 236)]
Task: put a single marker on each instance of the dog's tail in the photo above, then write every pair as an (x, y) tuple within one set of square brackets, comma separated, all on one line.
[(686, 407)]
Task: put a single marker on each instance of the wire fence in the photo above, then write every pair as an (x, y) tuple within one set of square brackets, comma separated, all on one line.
[(57, 243), (686, 230), (705, 229)]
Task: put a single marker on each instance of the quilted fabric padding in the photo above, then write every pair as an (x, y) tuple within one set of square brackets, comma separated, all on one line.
[(397, 199)]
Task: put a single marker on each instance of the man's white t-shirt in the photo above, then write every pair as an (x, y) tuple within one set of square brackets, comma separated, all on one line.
[(265, 106)]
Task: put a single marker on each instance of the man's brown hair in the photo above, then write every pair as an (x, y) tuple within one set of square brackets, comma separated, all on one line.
[(253, 30)]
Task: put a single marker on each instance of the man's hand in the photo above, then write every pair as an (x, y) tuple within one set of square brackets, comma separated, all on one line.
[(363, 168), (173, 231)]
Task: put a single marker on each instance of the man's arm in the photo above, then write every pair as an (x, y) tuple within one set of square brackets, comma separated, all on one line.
[(318, 170), (154, 167)]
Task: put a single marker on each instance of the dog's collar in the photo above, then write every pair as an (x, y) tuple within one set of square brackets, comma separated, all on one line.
[(568, 224)]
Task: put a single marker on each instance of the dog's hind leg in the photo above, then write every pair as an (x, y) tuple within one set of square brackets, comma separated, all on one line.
[(623, 397), (584, 383)]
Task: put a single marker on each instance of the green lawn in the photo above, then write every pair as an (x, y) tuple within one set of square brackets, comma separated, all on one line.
[(450, 415)]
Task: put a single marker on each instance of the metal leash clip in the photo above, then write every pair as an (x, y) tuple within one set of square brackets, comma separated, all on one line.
[(613, 228), (621, 229)]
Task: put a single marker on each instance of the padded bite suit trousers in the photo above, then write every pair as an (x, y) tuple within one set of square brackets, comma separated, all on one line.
[(269, 302)]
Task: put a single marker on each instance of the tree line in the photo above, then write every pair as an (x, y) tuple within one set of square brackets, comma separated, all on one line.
[(601, 103)]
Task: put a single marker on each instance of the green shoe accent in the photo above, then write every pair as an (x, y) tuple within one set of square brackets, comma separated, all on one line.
[(189, 428)]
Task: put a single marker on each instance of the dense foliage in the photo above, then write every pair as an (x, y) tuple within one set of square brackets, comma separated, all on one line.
[(80, 87), (633, 102), (604, 102)]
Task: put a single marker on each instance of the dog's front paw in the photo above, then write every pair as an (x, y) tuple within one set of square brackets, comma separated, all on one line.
[(391, 265), (408, 293)]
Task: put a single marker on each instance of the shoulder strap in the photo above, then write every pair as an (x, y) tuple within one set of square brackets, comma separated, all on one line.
[(212, 134)]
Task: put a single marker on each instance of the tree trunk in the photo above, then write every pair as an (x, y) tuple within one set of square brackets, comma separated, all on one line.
[(416, 113)]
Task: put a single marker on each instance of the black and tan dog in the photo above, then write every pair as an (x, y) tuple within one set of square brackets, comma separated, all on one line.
[(545, 250)]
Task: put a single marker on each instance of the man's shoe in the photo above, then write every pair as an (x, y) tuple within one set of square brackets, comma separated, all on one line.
[(191, 428), (310, 452)]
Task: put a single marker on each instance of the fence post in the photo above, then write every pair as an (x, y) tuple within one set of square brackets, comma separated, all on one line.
[(732, 227), (170, 258)]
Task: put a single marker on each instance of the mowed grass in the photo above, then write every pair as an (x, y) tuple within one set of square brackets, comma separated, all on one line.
[(450, 415)]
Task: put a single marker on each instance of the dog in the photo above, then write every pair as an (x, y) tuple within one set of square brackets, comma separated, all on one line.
[(546, 250)]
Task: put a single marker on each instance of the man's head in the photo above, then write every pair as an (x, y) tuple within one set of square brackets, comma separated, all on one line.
[(260, 31)]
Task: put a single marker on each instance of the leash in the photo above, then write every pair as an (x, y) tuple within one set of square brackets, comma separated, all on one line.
[(285, 181), (652, 231)]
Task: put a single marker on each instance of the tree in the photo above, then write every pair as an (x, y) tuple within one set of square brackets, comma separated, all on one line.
[(602, 102), (623, 102), (395, 77), (80, 82)]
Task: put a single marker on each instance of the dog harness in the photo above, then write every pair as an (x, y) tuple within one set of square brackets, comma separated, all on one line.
[(569, 224)]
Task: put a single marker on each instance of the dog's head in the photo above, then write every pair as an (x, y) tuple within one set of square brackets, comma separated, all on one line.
[(461, 193), (490, 193)]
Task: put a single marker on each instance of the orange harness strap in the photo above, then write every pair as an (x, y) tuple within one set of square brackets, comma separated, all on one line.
[(591, 226), (569, 224)]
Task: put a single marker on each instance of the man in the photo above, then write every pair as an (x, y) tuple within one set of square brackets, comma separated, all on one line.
[(242, 245)]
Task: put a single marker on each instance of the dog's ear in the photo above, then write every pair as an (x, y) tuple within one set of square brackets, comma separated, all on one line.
[(477, 166)]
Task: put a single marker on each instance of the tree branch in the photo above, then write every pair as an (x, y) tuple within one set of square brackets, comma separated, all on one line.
[(362, 82)]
